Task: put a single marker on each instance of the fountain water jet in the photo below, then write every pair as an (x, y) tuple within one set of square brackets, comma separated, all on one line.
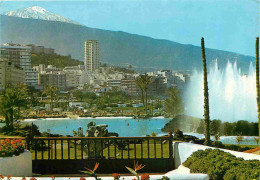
[(232, 95)]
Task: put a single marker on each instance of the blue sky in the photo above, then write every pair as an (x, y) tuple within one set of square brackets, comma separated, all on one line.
[(229, 25)]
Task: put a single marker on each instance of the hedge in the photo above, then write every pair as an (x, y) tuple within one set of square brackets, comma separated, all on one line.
[(222, 165)]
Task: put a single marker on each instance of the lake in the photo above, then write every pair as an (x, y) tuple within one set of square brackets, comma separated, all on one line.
[(115, 124)]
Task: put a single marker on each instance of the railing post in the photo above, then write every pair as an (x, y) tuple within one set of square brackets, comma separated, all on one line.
[(170, 145), (28, 140)]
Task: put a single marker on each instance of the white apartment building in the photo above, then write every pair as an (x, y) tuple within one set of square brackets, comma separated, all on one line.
[(32, 77), (91, 55), (10, 74), (20, 56), (74, 76)]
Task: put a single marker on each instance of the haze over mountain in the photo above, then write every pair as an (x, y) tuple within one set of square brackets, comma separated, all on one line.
[(35, 25)]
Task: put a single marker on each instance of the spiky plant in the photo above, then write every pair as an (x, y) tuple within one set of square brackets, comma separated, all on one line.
[(239, 139), (257, 80), (206, 95), (136, 168)]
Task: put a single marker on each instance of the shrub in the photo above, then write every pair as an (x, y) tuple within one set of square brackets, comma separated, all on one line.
[(222, 165), (178, 135), (10, 147), (164, 178)]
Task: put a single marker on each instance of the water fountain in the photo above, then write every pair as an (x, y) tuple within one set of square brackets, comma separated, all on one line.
[(232, 95)]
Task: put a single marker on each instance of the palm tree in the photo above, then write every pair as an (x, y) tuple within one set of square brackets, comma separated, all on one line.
[(257, 80), (51, 90), (206, 95), (140, 84), (173, 104), (4, 107), (143, 81), (146, 81), (12, 99)]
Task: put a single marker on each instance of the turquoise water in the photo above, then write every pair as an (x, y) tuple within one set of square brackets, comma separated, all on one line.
[(118, 125), (246, 140)]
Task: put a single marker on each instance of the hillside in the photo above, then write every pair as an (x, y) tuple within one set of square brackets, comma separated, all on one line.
[(117, 48), (57, 60)]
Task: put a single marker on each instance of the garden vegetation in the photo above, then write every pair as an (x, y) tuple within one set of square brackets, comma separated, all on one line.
[(222, 165)]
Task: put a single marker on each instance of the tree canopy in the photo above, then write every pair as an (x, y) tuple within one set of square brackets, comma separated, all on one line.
[(173, 104), (12, 99)]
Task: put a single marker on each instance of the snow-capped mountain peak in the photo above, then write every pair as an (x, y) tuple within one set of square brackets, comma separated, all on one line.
[(36, 12), (38, 9)]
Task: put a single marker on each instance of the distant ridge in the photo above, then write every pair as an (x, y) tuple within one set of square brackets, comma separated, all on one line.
[(116, 47)]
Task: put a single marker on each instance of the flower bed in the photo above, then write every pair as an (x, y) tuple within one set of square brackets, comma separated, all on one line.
[(10, 147)]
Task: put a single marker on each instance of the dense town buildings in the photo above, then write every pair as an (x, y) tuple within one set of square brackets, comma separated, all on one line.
[(40, 49), (101, 79), (55, 79)]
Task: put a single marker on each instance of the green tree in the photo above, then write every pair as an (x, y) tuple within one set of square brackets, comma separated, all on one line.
[(215, 127), (206, 95), (257, 80), (200, 128), (79, 95), (143, 81), (139, 83), (12, 99), (51, 92), (173, 104), (147, 81)]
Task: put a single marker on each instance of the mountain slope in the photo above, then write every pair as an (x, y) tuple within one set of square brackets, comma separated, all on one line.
[(36, 12), (115, 47)]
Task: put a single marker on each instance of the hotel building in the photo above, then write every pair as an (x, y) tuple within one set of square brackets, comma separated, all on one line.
[(91, 55)]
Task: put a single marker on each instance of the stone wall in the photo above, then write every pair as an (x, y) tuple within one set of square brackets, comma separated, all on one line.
[(17, 165)]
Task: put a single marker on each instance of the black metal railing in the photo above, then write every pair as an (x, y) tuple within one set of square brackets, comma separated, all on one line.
[(47, 148), (72, 154)]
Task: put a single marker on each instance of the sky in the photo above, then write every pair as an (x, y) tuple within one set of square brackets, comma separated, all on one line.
[(229, 25)]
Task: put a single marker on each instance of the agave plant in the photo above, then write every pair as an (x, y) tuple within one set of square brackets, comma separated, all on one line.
[(257, 140), (92, 172), (136, 168), (239, 139)]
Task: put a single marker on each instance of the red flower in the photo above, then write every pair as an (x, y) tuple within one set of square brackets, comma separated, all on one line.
[(1, 176), (23, 178), (134, 179), (52, 177), (145, 176), (33, 178), (8, 176), (82, 178), (115, 175)]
